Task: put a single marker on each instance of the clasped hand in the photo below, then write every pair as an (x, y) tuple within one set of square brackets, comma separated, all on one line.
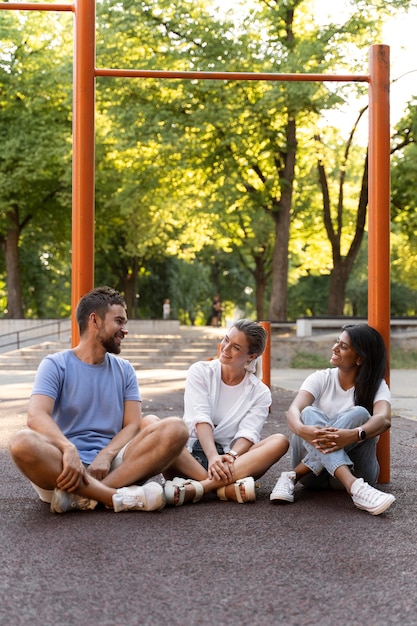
[(325, 439), (328, 439), (221, 467)]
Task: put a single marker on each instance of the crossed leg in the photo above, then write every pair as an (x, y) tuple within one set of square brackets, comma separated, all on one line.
[(255, 462), (155, 447)]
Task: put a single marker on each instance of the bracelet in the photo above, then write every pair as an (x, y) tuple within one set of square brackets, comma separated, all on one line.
[(233, 453)]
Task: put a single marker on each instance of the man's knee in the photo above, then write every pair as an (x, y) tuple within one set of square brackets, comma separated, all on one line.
[(175, 430), (170, 431), (148, 420), (21, 444)]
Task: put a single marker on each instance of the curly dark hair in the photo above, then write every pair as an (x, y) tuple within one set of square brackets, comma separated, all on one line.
[(369, 345), (98, 300)]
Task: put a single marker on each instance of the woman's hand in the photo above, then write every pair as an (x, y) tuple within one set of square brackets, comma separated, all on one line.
[(220, 467), (326, 439), (332, 439)]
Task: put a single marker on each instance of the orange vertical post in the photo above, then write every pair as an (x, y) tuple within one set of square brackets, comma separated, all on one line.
[(266, 356), (379, 313), (83, 170)]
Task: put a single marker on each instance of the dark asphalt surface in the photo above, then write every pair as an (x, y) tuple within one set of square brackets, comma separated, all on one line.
[(319, 561)]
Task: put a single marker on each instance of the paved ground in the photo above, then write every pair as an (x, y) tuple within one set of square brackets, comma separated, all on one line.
[(319, 561)]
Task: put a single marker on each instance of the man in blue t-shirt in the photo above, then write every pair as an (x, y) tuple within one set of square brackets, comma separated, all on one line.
[(87, 441)]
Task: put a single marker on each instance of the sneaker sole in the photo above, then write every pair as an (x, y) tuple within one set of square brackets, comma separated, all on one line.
[(281, 498), (383, 507)]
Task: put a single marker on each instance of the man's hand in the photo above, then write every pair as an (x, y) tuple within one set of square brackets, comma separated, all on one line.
[(100, 467), (73, 471)]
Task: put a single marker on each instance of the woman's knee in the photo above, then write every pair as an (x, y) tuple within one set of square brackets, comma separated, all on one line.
[(280, 442), (311, 416), (353, 417)]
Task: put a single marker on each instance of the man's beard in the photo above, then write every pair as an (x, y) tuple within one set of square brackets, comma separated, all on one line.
[(111, 346)]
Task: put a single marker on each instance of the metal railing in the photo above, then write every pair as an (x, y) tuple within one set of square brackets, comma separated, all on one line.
[(56, 330)]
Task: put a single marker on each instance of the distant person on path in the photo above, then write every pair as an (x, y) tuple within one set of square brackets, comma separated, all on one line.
[(225, 408), (337, 417), (166, 309), (216, 311), (86, 440)]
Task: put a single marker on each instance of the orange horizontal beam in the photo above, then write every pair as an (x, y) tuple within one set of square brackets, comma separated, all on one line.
[(231, 75), (32, 6)]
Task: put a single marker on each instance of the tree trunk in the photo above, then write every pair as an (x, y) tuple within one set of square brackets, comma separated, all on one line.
[(281, 216), (342, 265), (13, 280), (338, 282)]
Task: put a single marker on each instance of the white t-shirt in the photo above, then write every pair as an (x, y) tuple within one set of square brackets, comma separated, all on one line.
[(330, 397)]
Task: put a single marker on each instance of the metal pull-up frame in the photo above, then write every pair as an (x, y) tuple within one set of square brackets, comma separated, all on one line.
[(83, 177)]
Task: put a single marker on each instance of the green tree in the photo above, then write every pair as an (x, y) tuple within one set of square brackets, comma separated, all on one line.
[(35, 130)]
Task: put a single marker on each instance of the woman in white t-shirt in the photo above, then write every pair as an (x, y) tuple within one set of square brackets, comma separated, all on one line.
[(337, 417), (225, 407)]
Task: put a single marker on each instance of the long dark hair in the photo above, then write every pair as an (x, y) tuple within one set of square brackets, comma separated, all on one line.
[(369, 345)]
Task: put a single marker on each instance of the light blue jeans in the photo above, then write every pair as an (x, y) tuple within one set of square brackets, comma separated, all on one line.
[(360, 456)]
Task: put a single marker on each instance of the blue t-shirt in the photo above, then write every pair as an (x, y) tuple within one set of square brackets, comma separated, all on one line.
[(89, 399)]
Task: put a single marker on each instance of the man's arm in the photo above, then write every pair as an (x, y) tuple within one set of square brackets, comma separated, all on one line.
[(40, 420)]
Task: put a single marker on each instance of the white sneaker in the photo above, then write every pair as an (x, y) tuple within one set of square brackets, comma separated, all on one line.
[(284, 488), (370, 499), (149, 497)]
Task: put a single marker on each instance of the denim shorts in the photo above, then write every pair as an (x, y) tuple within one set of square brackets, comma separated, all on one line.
[(199, 454)]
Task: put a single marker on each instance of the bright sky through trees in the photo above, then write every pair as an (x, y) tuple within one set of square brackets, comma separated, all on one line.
[(399, 34)]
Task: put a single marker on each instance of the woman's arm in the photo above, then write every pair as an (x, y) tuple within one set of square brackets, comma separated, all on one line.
[(380, 420), (301, 400), (378, 423), (197, 405)]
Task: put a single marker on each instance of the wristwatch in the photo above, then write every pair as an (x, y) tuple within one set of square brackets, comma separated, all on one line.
[(233, 453), (361, 433)]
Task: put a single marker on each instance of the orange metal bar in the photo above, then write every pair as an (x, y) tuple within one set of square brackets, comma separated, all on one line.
[(379, 215), (231, 75), (83, 167), (83, 156), (266, 356), (31, 6)]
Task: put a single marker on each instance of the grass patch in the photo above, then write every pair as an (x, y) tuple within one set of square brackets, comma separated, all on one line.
[(309, 360), (403, 359)]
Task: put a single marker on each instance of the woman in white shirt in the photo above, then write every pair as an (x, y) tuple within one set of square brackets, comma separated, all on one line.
[(337, 417), (225, 407)]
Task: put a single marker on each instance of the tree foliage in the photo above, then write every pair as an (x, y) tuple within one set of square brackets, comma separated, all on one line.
[(35, 131), (201, 186)]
